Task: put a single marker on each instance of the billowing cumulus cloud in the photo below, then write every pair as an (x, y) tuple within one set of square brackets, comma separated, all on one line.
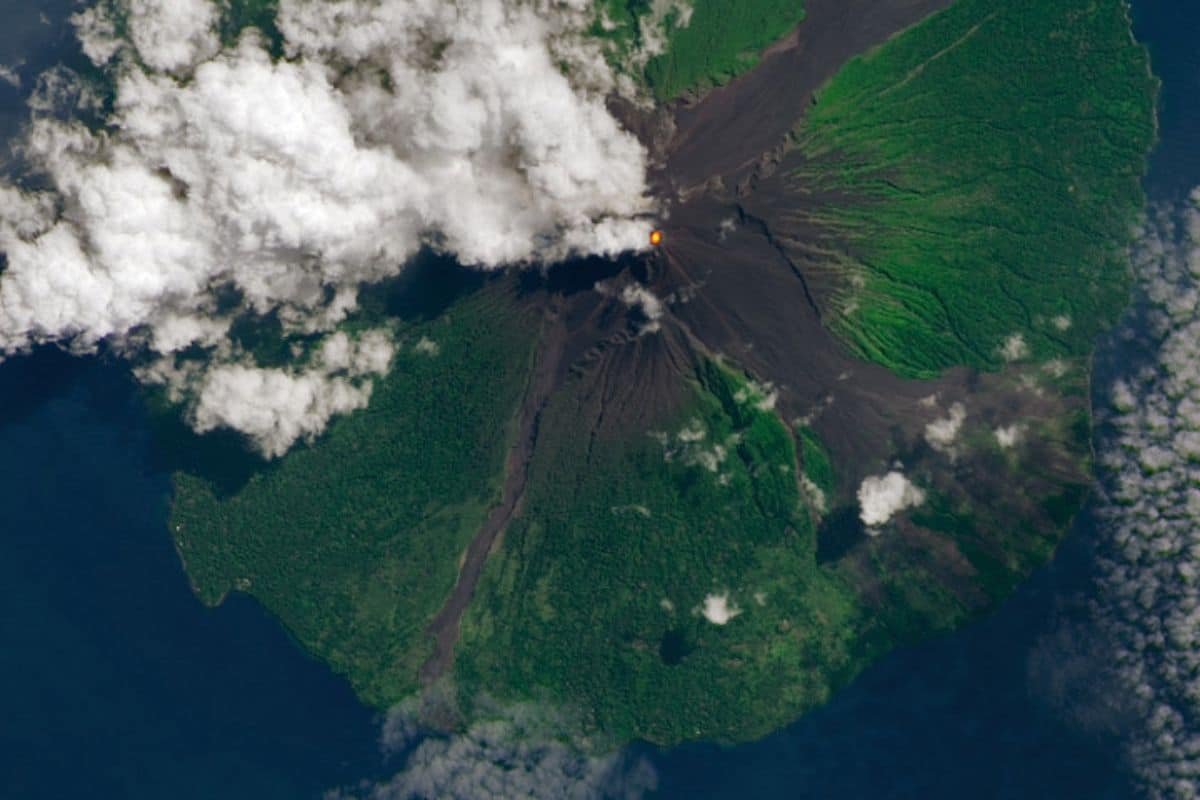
[(226, 183), (1150, 566)]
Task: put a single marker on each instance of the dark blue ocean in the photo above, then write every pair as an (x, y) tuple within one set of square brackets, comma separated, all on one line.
[(115, 683)]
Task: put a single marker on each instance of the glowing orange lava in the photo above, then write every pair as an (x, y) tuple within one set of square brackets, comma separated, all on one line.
[(656, 238)]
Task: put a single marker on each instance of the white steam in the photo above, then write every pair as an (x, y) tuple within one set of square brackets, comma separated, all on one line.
[(226, 183)]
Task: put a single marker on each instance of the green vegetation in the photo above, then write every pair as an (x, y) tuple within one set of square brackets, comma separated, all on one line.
[(994, 154), (818, 466), (991, 155), (353, 543), (708, 44), (595, 597)]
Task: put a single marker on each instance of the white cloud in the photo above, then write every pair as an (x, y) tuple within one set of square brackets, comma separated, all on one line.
[(655, 27), (173, 34), (1056, 367), (763, 396), (1007, 436), (275, 407), (1149, 603), (727, 226), (647, 303), (942, 433), (97, 33), (1014, 348), (880, 497), (815, 494), (718, 609), (521, 751), (10, 75), (427, 346), (476, 127)]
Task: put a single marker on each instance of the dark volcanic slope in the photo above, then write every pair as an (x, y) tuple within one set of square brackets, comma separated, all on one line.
[(729, 133), (733, 293)]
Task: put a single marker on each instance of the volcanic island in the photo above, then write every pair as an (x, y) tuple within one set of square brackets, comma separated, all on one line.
[(842, 406)]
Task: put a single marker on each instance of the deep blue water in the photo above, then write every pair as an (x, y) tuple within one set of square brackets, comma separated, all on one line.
[(116, 683)]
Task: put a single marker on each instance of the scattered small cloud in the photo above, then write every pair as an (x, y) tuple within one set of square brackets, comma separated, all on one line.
[(1056, 368), (690, 446), (880, 497), (718, 609), (647, 303), (10, 75), (1014, 348), (943, 433), (427, 347), (762, 396), (1008, 435), (727, 226)]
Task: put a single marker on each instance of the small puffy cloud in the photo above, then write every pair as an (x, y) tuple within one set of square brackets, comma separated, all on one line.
[(647, 303), (942, 433), (1007, 435), (475, 127), (1014, 348), (880, 497), (727, 226), (762, 396), (9, 75), (690, 446), (718, 609), (427, 347), (1062, 322), (275, 407), (1056, 368)]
